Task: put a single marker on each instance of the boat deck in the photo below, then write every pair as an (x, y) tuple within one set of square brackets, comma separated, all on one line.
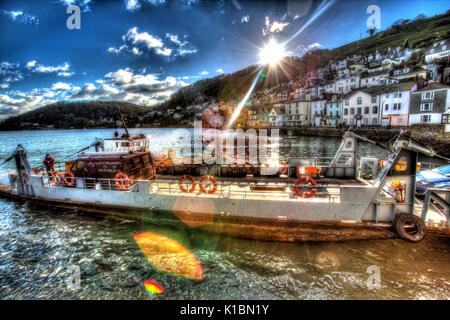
[(250, 189)]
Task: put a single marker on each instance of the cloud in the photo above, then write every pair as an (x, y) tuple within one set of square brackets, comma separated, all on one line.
[(22, 17), (61, 70), (143, 43), (136, 43), (9, 73), (273, 27), (220, 70), (245, 19), (63, 86), (204, 73), (143, 83), (136, 37), (132, 5), (90, 91), (182, 48), (314, 45), (83, 4), (10, 106)]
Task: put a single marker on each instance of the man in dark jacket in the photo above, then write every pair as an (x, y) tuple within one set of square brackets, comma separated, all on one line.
[(49, 163)]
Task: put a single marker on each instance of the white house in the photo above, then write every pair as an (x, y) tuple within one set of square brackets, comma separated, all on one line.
[(358, 108), (345, 85), (276, 118), (317, 111), (439, 50), (327, 87), (429, 104), (375, 79), (394, 103), (409, 73)]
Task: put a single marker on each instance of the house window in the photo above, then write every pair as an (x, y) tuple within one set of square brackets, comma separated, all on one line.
[(426, 118), (428, 95), (352, 111), (366, 110), (345, 111), (444, 48), (365, 121), (359, 101), (428, 106), (347, 102), (387, 95), (400, 120), (359, 111), (375, 110), (386, 107), (374, 121), (374, 99)]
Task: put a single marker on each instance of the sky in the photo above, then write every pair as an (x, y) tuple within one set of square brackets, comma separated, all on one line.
[(141, 51)]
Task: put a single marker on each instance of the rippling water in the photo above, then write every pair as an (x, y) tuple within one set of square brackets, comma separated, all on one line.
[(39, 245)]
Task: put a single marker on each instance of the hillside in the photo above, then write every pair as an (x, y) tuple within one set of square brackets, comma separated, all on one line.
[(187, 104), (94, 114)]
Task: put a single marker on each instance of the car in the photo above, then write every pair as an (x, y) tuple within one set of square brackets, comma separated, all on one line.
[(438, 178)]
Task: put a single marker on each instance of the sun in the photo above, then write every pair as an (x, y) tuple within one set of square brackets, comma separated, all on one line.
[(272, 53)]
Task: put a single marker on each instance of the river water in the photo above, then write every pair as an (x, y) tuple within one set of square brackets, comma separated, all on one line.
[(42, 249)]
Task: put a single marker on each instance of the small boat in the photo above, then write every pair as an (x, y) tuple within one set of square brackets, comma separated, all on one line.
[(346, 199)]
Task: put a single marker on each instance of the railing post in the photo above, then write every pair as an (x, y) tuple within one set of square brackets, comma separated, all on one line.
[(426, 204)]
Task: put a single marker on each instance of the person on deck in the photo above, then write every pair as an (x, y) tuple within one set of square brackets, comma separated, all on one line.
[(49, 163)]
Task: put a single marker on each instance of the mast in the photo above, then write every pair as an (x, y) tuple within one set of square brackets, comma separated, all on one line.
[(124, 123)]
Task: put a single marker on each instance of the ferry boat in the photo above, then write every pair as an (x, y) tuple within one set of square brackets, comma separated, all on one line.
[(347, 199)]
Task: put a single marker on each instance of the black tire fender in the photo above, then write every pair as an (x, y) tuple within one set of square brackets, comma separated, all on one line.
[(409, 227)]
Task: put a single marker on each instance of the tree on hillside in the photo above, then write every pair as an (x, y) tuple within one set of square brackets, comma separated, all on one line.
[(406, 44), (371, 31), (420, 17)]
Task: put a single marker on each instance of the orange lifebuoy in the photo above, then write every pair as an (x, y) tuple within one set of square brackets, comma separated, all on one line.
[(182, 186), (122, 181), (211, 181), (304, 180), (69, 178), (284, 168)]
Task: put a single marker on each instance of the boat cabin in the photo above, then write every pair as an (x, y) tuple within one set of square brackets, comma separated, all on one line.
[(136, 165)]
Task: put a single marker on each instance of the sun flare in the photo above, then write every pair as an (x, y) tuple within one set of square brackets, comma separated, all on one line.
[(272, 53)]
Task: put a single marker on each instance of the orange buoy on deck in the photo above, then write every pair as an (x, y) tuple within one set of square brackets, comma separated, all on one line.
[(69, 178), (304, 180), (122, 181), (181, 183), (208, 181)]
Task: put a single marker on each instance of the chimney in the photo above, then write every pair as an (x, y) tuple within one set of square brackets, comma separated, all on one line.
[(420, 83)]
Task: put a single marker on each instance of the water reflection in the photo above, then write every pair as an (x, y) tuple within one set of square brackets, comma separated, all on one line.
[(169, 255)]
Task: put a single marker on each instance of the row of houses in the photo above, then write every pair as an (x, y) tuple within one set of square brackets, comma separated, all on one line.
[(378, 89), (397, 104)]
